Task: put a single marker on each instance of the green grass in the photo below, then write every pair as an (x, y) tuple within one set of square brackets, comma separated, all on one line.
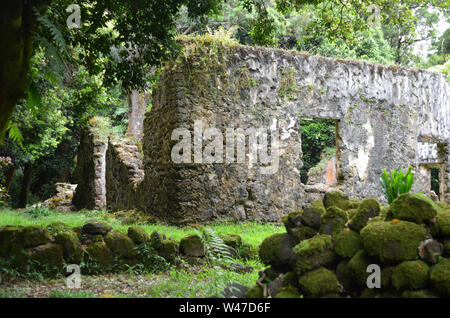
[(251, 232)]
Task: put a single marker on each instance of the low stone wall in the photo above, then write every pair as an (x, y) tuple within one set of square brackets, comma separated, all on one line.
[(124, 173), (98, 248), (338, 247)]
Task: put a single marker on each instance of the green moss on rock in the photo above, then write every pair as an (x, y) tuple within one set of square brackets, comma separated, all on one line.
[(10, 237), (292, 220), (313, 253), (302, 233), (441, 228), (358, 268), (446, 251), (120, 244), (276, 250), (368, 209), (47, 258), (333, 221), (254, 292), (34, 235), (168, 249), (138, 235), (413, 207), (337, 199), (72, 250), (288, 292), (392, 242), (440, 277), (96, 227), (100, 254), (233, 240), (192, 245), (410, 275), (318, 282), (347, 243)]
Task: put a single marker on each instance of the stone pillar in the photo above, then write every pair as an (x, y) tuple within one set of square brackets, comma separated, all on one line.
[(90, 172)]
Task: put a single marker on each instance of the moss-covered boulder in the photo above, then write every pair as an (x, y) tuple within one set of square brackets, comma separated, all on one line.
[(95, 227), (192, 245), (288, 292), (100, 254), (302, 233), (72, 250), (337, 199), (440, 277), (368, 209), (47, 258), (276, 250), (351, 213), (441, 227), (413, 207), (292, 220), (446, 249), (357, 266), (120, 244), (254, 292), (410, 275), (318, 283), (311, 215), (392, 242), (34, 235), (344, 275), (10, 237), (313, 253), (347, 243), (138, 235), (168, 249), (333, 221), (233, 240)]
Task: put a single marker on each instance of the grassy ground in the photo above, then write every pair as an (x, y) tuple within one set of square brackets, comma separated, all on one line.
[(251, 232), (202, 280)]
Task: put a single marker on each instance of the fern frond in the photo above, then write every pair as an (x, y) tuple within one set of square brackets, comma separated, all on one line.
[(14, 133), (215, 246)]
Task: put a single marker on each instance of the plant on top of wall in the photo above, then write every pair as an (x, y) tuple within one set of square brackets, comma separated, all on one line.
[(396, 183)]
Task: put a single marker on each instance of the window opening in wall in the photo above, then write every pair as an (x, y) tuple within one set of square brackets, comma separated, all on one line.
[(318, 138)]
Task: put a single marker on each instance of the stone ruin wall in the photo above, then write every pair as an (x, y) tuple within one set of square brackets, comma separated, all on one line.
[(386, 117)]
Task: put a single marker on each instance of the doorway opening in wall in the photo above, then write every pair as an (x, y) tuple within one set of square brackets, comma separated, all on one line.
[(319, 145)]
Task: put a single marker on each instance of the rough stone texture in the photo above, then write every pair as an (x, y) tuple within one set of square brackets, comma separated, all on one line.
[(386, 116), (90, 172), (123, 174), (383, 114), (62, 200)]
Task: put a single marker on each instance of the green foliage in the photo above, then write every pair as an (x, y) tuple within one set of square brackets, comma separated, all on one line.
[(153, 262), (216, 249), (396, 183), (38, 211)]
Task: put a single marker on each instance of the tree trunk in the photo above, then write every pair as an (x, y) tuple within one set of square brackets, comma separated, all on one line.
[(137, 101), (17, 23), (9, 176), (26, 180)]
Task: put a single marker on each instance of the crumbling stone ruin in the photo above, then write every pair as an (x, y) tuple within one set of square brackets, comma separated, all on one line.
[(386, 117)]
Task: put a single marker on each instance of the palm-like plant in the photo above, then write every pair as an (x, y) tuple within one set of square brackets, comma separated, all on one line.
[(396, 183)]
